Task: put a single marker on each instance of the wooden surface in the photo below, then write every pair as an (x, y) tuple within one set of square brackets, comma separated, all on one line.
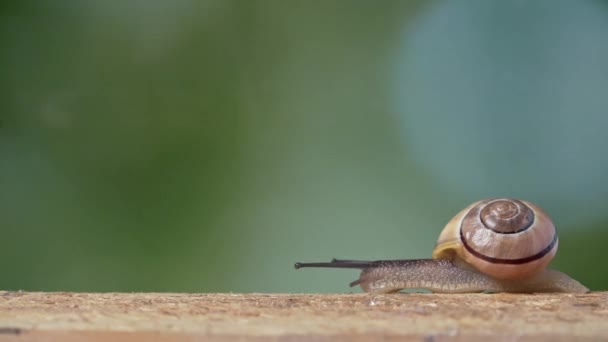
[(27, 316)]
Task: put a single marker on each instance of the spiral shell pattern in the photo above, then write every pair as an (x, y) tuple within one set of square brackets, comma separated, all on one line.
[(504, 238)]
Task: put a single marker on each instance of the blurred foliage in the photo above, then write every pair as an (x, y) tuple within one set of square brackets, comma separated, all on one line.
[(208, 145)]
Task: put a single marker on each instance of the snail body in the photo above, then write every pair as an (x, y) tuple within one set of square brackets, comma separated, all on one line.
[(493, 245)]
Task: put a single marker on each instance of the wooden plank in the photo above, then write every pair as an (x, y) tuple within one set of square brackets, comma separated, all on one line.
[(37, 316)]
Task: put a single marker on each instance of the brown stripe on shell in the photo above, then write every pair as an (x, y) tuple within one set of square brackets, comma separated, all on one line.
[(519, 261)]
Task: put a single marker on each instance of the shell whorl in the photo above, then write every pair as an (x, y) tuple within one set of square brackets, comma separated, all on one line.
[(506, 216), (505, 238)]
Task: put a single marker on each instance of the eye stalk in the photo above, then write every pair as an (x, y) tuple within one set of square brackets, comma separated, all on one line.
[(336, 263)]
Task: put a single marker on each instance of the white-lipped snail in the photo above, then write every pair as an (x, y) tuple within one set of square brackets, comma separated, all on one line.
[(493, 245)]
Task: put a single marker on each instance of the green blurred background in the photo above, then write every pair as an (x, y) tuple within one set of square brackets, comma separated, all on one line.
[(208, 145)]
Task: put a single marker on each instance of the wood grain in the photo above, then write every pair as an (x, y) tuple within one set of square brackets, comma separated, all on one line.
[(37, 316)]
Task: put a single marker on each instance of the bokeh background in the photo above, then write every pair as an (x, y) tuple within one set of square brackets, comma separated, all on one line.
[(206, 146)]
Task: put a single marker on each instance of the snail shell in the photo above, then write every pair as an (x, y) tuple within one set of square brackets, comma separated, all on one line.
[(504, 238)]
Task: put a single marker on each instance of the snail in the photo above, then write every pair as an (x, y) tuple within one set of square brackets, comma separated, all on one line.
[(493, 245)]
